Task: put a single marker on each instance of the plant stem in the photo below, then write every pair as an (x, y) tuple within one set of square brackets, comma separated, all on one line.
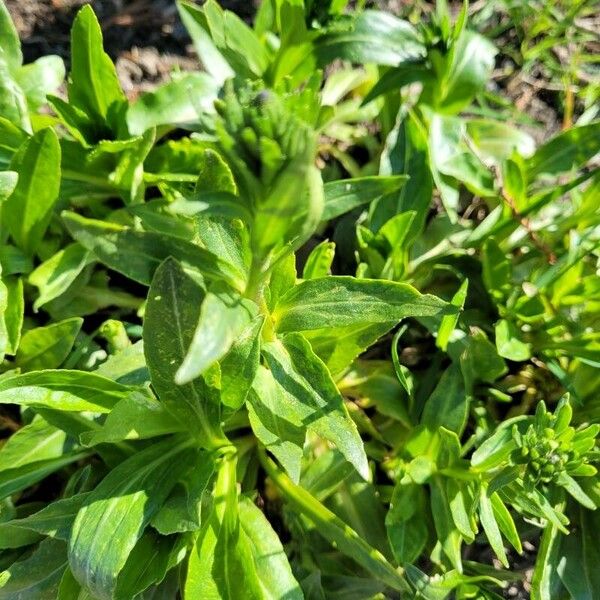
[(332, 528)]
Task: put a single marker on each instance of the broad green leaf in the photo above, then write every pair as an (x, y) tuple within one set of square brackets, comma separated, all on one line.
[(33, 442), (448, 405), (337, 347), (579, 556), (447, 534), (345, 301), (173, 309), (374, 37), (13, 103), (63, 390), (221, 563), (148, 564), (47, 347), (127, 498), (20, 478), (492, 531), (448, 323), (173, 104), (40, 78), (195, 21), (182, 510), (406, 152), (236, 42), (497, 140), (36, 577), (137, 416), (93, 83), (10, 45), (8, 181), (505, 522), (55, 520), (284, 437), (344, 195), (55, 275), (240, 364), (473, 59), (137, 254), (569, 149), (318, 263), (311, 397), (405, 523), (509, 343), (12, 309), (274, 572), (223, 317), (27, 211)]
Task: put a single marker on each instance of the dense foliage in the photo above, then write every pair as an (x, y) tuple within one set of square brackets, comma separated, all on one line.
[(267, 333)]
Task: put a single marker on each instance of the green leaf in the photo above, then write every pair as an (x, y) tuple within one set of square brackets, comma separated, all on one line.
[(137, 254), (448, 405), (277, 431), (221, 564), (274, 572), (12, 309), (34, 442), (175, 103), (448, 535), (55, 275), (195, 21), (240, 364), (182, 510), (568, 150), (509, 343), (312, 398), (27, 211), (20, 478), (318, 263), (37, 577), (40, 78), (498, 141), (373, 37), (173, 307), (505, 522), (127, 498), (10, 45), (492, 531), (223, 318), (148, 564), (337, 347), (344, 195), (93, 83), (579, 556), (55, 520), (449, 322), (346, 301), (405, 523), (137, 416), (47, 347), (63, 390)]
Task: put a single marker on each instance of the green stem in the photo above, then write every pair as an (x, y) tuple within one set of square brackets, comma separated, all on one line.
[(332, 528)]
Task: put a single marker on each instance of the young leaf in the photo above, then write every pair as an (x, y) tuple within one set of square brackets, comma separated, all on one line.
[(93, 83), (137, 254), (223, 317), (318, 263), (280, 433), (37, 576), (27, 211), (346, 194), (346, 301), (173, 307), (492, 531), (316, 401), (47, 347), (127, 498), (55, 275), (276, 577)]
